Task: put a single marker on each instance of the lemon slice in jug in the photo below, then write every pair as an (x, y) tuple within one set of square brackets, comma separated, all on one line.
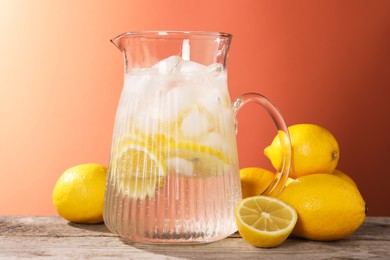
[(139, 170), (206, 160)]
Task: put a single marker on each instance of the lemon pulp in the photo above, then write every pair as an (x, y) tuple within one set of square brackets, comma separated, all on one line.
[(141, 167), (265, 221), (139, 170)]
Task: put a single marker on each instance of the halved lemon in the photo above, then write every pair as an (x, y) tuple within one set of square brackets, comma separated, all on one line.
[(265, 221), (139, 170), (206, 160)]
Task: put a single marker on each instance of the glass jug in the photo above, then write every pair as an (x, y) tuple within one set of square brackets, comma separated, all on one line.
[(173, 172)]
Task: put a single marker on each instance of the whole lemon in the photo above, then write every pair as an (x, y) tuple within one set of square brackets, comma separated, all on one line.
[(254, 181), (328, 207), (314, 150), (78, 195), (344, 176)]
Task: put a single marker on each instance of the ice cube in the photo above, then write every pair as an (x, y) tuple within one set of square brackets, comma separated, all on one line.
[(195, 124), (146, 83), (215, 69), (146, 122), (135, 83), (169, 65), (176, 101), (180, 166), (212, 100), (214, 140), (143, 71), (186, 66), (190, 71)]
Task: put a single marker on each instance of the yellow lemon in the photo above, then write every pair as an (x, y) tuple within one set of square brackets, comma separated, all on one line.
[(78, 195), (254, 181), (138, 170), (344, 176), (328, 207), (314, 149), (264, 221)]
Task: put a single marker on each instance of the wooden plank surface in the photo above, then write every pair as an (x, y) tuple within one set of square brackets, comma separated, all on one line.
[(53, 237)]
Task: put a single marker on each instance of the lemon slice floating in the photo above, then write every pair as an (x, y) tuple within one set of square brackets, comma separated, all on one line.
[(206, 160), (140, 170), (265, 221)]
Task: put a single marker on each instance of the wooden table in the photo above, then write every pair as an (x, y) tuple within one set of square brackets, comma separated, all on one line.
[(53, 237)]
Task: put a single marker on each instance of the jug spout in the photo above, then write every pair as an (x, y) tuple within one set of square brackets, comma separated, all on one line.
[(117, 41)]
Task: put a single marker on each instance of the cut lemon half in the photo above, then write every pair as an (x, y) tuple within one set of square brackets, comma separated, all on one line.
[(206, 160), (265, 221), (139, 171)]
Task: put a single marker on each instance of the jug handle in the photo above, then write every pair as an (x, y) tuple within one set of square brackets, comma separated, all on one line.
[(282, 173)]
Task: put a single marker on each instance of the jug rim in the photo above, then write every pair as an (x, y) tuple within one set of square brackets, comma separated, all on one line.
[(171, 34)]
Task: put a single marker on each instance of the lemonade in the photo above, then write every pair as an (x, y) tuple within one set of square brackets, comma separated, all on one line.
[(173, 174)]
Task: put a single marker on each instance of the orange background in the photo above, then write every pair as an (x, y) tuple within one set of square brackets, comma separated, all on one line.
[(321, 62)]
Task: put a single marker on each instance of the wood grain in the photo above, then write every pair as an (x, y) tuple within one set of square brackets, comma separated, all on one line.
[(53, 237)]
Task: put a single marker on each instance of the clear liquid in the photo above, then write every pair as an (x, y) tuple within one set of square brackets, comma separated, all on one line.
[(173, 174), (184, 209)]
